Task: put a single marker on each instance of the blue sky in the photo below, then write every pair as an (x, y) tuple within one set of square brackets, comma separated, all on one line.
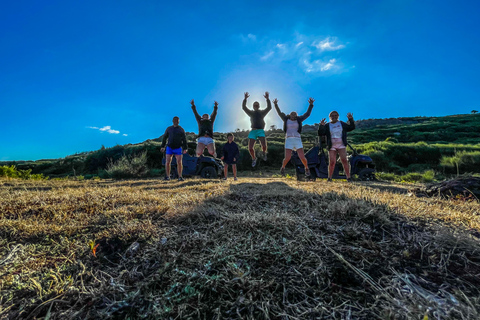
[(76, 75)]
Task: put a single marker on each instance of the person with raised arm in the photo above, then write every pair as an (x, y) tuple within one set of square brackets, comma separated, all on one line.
[(258, 125), (176, 141), (336, 133), (205, 130), (292, 126)]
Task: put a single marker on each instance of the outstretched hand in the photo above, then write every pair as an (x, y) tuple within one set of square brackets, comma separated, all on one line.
[(162, 150), (349, 115), (275, 101), (322, 123), (215, 104), (311, 100), (192, 103), (246, 95), (266, 95)]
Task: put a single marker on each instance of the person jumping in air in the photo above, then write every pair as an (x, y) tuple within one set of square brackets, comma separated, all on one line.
[(205, 130), (258, 125), (176, 145), (231, 153), (292, 126), (336, 132)]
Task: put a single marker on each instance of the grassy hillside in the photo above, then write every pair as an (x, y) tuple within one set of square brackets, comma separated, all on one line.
[(398, 145), (253, 249)]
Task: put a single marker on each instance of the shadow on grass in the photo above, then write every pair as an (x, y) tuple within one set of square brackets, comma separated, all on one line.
[(267, 251)]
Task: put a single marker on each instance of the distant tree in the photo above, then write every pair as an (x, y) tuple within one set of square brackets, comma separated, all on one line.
[(273, 127), (474, 111), (237, 130)]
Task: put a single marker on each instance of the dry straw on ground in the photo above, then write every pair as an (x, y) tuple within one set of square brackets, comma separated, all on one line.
[(252, 249)]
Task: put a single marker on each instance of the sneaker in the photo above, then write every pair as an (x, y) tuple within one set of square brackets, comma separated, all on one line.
[(181, 179), (224, 178), (166, 178), (264, 156), (235, 179), (282, 172), (329, 180), (307, 172), (254, 162), (349, 180)]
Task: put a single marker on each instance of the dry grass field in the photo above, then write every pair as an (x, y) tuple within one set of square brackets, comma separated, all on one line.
[(258, 248)]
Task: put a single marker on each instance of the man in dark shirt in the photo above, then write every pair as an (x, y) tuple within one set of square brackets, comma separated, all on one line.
[(205, 130), (230, 156), (258, 126), (176, 145)]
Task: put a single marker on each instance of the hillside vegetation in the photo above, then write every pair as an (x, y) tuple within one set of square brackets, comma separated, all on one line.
[(252, 249), (447, 145)]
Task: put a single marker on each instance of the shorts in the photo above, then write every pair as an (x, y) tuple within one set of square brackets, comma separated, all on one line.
[(293, 143), (254, 134), (176, 152), (230, 161), (205, 140), (337, 144)]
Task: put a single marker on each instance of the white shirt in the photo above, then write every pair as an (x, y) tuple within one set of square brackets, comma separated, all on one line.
[(336, 130), (292, 129)]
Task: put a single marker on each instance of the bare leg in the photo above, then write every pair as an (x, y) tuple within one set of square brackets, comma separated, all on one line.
[(225, 171), (301, 155), (234, 169), (200, 148), (343, 158), (168, 162), (251, 144), (179, 158), (332, 160), (263, 142), (211, 149), (288, 155)]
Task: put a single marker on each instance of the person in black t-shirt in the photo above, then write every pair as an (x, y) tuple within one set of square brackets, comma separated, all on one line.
[(205, 130), (176, 145), (258, 125), (230, 156)]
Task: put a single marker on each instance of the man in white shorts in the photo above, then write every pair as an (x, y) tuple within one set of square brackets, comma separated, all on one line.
[(205, 130), (292, 126)]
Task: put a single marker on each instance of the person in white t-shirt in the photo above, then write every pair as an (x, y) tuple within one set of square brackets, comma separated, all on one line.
[(292, 126), (336, 133)]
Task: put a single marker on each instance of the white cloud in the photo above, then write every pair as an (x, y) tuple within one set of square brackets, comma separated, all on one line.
[(321, 66), (248, 38), (106, 129), (298, 44), (267, 55), (124, 134), (280, 46), (328, 45)]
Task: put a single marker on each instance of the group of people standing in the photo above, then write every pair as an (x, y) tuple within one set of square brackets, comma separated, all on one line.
[(335, 131)]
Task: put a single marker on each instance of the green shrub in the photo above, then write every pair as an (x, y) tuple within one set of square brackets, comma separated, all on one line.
[(128, 167), (13, 172)]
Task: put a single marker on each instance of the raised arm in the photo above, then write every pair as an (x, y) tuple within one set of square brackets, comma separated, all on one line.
[(321, 127), (309, 110), (269, 104), (244, 104), (214, 113), (280, 113), (350, 123), (197, 116)]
